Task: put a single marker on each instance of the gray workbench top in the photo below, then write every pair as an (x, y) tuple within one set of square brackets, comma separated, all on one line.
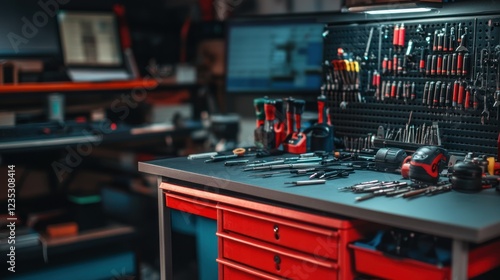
[(468, 217)]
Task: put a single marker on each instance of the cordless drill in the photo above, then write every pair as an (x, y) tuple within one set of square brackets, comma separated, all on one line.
[(279, 126), (322, 132), (296, 141), (269, 139), (260, 115)]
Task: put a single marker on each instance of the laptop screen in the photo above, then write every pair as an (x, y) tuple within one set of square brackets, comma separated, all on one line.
[(90, 39)]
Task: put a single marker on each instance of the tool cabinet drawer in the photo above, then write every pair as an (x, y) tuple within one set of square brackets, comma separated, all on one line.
[(283, 232), (196, 206), (234, 271), (275, 260), (372, 262)]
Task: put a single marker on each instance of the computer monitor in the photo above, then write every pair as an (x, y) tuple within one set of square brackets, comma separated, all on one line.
[(274, 56), (91, 48), (28, 30)]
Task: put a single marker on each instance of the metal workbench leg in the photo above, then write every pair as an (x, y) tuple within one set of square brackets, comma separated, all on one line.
[(459, 260), (166, 267)]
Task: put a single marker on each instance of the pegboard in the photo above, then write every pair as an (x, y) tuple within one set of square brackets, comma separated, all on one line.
[(360, 105)]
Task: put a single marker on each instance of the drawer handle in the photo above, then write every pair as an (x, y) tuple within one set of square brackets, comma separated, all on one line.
[(277, 262), (276, 230)]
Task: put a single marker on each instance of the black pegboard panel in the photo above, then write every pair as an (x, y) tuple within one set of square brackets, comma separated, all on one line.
[(461, 129)]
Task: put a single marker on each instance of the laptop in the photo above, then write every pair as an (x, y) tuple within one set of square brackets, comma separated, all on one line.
[(90, 44)]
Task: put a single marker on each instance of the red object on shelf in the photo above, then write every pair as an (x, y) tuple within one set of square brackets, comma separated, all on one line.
[(375, 263), (78, 86), (62, 230)]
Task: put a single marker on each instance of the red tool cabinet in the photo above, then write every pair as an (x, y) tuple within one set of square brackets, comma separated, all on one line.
[(263, 241), (264, 230)]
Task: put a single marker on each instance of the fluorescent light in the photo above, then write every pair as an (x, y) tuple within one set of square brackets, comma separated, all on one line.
[(392, 7), (398, 11)]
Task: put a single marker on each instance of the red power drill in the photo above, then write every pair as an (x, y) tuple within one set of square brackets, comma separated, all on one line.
[(321, 138), (279, 126), (269, 139), (296, 141), (258, 104)]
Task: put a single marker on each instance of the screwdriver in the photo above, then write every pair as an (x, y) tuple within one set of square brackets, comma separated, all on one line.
[(395, 64), (389, 62), (434, 65), (375, 194), (401, 36), (454, 64), (437, 90), (428, 65), (334, 174), (307, 182), (422, 60), (442, 94), (284, 166), (439, 66), (413, 92), (446, 42), (393, 90), (456, 87), (460, 62), (399, 89), (450, 65), (467, 98), (440, 42), (444, 69), (449, 90), (431, 93), (435, 41), (395, 38), (387, 90), (398, 191), (451, 43), (221, 158), (475, 101), (236, 162), (385, 61), (465, 64), (407, 91), (461, 93), (426, 92), (415, 192)]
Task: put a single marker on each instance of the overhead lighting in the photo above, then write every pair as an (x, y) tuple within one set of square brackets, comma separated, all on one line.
[(376, 7)]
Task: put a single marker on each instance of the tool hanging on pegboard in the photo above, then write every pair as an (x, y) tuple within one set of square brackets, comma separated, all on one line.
[(447, 71)]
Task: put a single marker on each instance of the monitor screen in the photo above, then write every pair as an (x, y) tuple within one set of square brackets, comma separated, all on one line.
[(90, 39), (27, 29), (274, 56)]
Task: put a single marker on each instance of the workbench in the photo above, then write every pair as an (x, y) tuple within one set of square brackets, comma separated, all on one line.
[(214, 190)]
